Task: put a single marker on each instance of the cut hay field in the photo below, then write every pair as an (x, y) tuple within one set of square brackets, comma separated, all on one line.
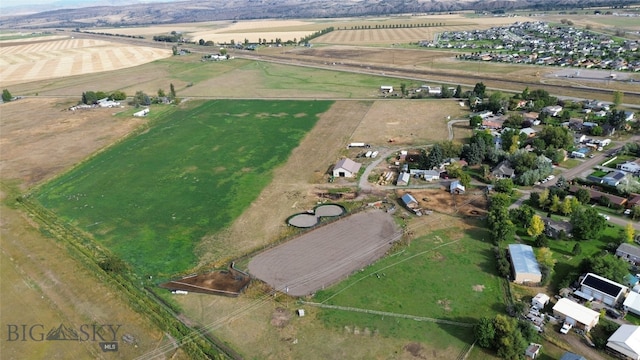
[(152, 198), (24, 62)]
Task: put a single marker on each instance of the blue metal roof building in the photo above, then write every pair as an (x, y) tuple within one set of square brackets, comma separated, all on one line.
[(525, 266)]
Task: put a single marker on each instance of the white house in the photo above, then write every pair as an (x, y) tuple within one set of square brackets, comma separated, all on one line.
[(552, 110), (575, 314), (346, 168), (630, 166), (626, 341), (524, 264), (431, 175), (603, 289), (386, 88), (539, 301), (632, 303)]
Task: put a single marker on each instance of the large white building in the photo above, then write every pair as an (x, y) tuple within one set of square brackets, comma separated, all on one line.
[(575, 314), (626, 341), (603, 289)]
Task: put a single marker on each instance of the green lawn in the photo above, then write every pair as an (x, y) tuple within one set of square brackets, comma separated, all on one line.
[(434, 277), (152, 197), (619, 160), (570, 163)]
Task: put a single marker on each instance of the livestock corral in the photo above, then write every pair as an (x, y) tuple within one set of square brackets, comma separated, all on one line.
[(470, 204)]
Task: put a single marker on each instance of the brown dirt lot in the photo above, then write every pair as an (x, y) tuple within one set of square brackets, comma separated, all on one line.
[(408, 122), (40, 137), (327, 254), (470, 204)]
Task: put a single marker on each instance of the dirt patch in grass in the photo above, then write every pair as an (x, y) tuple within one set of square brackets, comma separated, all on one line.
[(478, 288), (469, 204)]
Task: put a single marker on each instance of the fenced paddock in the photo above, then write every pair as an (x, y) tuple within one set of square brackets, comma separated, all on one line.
[(327, 254)]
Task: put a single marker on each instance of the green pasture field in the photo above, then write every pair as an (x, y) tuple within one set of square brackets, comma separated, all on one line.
[(152, 197), (434, 277)]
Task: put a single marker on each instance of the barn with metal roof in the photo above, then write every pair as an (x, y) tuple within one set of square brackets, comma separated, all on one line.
[(524, 264)]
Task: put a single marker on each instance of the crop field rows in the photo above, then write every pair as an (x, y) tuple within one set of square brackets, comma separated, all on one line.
[(60, 58)]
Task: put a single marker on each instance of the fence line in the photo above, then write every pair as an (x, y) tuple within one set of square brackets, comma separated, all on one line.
[(384, 313)]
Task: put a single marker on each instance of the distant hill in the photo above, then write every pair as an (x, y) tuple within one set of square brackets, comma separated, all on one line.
[(208, 10)]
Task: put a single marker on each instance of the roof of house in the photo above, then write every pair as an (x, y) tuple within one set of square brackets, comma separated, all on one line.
[(595, 194), (603, 285), (348, 165), (632, 301), (575, 311), (528, 131), (615, 175), (572, 356), (558, 225), (629, 249), (627, 337), (523, 259), (504, 169)]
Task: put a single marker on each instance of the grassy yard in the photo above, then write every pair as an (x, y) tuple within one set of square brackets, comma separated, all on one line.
[(448, 274), (570, 163), (151, 198), (562, 250), (619, 160)]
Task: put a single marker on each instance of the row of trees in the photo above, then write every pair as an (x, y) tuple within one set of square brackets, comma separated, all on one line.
[(507, 336), (92, 97)]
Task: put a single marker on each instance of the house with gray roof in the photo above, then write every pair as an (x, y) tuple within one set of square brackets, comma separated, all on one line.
[(628, 252), (503, 171)]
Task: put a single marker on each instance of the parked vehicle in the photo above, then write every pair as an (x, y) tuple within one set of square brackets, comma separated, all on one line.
[(565, 328), (615, 314), (606, 217)]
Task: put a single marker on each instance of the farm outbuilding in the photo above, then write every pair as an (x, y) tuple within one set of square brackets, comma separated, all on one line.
[(632, 303), (603, 289), (346, 168), (409, 201), (626, 341), (456, 187), (525, 266), (143, 112), (403, 179), (540, 301), (575, 314)]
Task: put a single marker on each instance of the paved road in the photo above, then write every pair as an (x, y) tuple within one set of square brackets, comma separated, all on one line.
[(585, 166)]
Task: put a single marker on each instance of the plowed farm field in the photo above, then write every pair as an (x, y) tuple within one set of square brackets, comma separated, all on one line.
[(47, 59)]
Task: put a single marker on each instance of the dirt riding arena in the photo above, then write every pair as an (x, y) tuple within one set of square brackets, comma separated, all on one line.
[(470, 204), (327, 254), (38, 60)]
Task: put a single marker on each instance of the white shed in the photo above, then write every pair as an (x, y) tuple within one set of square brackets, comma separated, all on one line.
[(539, 301)]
